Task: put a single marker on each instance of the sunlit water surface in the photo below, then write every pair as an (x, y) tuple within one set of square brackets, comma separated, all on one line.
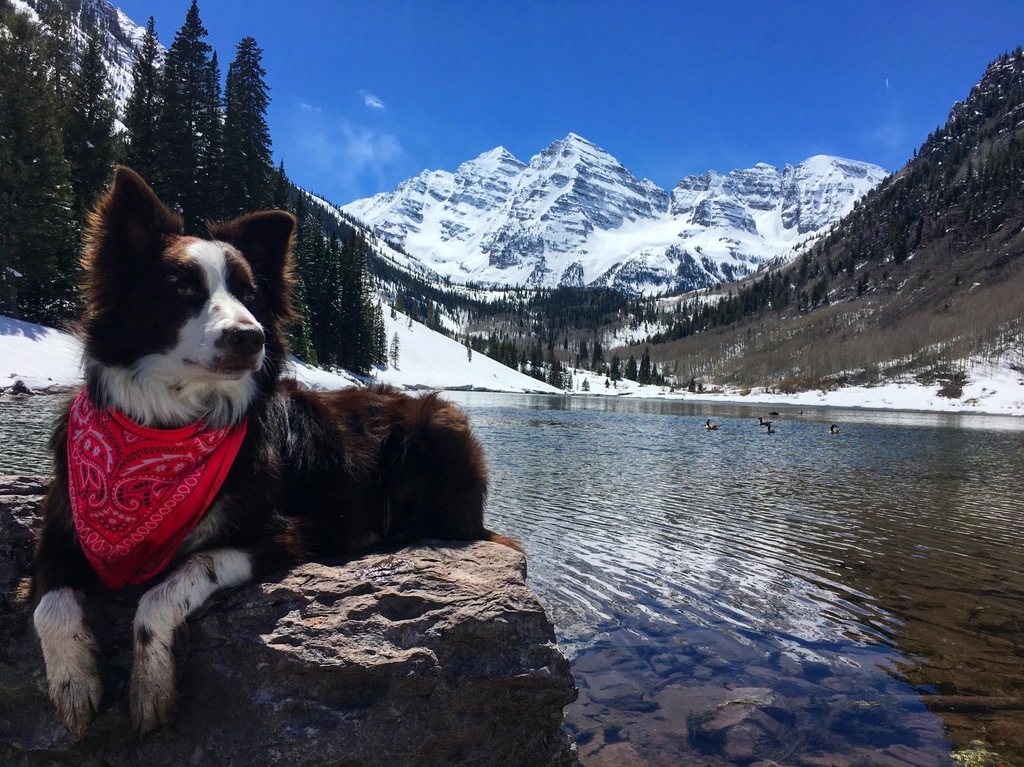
[(804, 597), (731, 596)]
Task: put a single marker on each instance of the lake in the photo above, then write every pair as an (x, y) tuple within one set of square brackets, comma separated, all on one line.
[(730, 596)]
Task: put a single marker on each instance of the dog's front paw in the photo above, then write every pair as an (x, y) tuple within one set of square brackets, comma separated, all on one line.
[(69, 651), (152, 697), (76, 699), (151, 707)]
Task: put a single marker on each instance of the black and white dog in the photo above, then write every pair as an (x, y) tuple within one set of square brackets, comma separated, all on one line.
[(187, 462)]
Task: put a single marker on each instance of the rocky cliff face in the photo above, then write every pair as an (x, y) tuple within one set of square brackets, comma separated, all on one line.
[(574, 215), (122, 38), (436, 654)]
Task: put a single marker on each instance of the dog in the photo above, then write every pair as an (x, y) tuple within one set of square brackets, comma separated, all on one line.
[(188, 462)]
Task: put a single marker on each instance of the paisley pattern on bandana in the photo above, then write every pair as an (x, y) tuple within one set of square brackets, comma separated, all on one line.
[(137, 492)]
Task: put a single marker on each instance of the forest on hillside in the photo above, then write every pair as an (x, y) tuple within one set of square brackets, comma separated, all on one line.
[(187, 131)]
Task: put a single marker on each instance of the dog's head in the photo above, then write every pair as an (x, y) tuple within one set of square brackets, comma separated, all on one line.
[(194, 323)]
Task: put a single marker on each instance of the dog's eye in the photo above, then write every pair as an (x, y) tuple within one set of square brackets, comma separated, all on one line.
[(186, 290), (249, 299)]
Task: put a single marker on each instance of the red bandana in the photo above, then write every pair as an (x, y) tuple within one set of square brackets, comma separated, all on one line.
[(137, 492)]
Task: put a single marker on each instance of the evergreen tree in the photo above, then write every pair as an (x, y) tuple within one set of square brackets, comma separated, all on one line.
[(89, 143), (281, 191), (58, 47), (615, 372), (554, 370), (379, 346), (36, 230), (142, 109), (631, 369), (644, 373), (301, 339), (247, 161), (210, 187), (185, 129), (395, 348)]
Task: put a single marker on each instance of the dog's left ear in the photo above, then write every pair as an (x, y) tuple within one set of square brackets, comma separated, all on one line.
[(265, 239)]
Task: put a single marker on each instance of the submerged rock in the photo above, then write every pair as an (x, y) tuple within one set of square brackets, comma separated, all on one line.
[(436, 654)]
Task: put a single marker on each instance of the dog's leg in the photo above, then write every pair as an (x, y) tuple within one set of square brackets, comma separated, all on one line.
[(161, 611), (69, 651)]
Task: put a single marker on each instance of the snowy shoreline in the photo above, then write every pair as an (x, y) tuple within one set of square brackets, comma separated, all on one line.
[(990, 390), (46, 360)]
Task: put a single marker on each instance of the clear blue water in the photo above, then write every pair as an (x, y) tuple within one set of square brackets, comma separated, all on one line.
[(730, 596)]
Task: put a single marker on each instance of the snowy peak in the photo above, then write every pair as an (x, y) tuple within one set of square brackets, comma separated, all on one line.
[(574, 215), (822, 189), (486, 181), (591, 183), (566, 193), (816, 193)]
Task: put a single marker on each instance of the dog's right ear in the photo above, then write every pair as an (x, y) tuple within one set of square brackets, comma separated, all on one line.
[(129, 225)]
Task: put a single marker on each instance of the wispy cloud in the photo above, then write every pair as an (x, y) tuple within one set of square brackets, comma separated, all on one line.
[(371, 101), (337, 157)]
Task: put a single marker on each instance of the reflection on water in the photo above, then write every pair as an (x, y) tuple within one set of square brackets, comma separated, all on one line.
[(730, 596), (25, 425), (808, 598)]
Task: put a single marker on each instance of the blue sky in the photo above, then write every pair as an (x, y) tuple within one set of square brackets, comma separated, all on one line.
[(366, 94)]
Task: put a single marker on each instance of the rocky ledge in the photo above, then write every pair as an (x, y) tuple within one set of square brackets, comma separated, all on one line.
[(436, 654)]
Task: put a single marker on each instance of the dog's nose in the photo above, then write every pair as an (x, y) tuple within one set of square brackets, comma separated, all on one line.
[(244, 342)]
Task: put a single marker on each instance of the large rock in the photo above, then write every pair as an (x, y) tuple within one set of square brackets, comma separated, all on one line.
[(436, 654)]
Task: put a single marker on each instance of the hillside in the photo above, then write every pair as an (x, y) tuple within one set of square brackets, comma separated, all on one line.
[(925, 274), (43, 358)]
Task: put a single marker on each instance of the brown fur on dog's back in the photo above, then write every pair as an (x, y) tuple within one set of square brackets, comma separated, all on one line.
[(401, 468)]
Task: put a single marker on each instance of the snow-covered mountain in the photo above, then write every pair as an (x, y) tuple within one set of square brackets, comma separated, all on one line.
[(574, 215), (122, 39)]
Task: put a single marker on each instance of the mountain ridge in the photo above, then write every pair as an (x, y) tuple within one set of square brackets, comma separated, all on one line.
[(575, 216)]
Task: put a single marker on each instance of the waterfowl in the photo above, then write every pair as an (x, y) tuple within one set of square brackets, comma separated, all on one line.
[(768, 428), (763, 422), (833, 429), (709, 425)]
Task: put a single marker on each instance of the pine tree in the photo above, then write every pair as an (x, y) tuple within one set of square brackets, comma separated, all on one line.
[(247, 160), (395, 348), (379, 348), (89, 143), (301, 337), (644, 373), (142, 109), (554, 370), (631, 370), (615, 372), (210, 186), (281, 195), (184, 124), (58, 47), (36, 229)]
